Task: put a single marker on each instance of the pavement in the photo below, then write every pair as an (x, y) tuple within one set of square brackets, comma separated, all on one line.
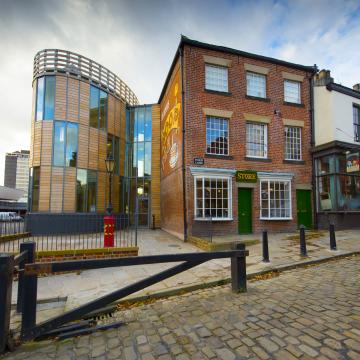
[(307, 313), (77, 288)]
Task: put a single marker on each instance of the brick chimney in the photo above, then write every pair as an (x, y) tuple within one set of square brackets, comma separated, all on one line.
[(356, 87), (323, 78)]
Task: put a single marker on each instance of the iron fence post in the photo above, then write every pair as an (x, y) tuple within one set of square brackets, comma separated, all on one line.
[(20, 294), (303, 251), (28, 319), (332, 237), (6, 279), (265, 246), (238, 270)]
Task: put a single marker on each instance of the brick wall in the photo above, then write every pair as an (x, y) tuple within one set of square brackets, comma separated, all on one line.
[(197, 98)]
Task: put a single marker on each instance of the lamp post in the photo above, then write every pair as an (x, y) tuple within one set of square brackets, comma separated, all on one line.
[(110, 163), (109, 221)]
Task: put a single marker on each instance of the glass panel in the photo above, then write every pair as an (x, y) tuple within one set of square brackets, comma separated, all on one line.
[(348, 192), (216, 135), (81, 181), (326, 191), (140, 159), (103, 110), (109, 146), (325, 165), (35, 189), (49, 98), (256, 84), (148, 125), (256, 142), (292, 91), (59, 143), (91, 190), (71, 144), (216, 78), (40, 99), (147, 184), (147, 158), (140, 125), (94, 106)]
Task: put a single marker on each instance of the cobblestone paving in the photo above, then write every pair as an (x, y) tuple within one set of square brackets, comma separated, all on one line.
[(305, 313)]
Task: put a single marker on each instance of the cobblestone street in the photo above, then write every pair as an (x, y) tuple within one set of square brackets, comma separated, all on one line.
[(305, 313)]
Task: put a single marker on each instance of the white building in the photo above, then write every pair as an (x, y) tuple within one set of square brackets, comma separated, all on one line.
[(336, 153)]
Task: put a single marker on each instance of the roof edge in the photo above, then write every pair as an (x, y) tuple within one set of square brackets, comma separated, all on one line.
[(343, 90)]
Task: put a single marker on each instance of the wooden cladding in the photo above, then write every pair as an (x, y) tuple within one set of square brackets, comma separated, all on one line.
[(73, 100), (155, 165), (37, 143), (102, 150), (44, 196), (60, 97), (69, 189), (93, 148), (83, 147), (57, 177), (111, 115), (46, 143), (84, 103), (100, 203)]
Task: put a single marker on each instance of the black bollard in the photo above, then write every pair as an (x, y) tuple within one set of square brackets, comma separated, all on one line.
[(303, 251), (265, 246), (332, 237)]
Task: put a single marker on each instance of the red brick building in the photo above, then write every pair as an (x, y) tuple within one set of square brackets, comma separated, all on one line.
[(235, 142)]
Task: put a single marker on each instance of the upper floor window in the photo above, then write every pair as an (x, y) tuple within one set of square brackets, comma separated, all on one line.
[(217, 134), (65, 144), (216, 78), (292, 143), (256, 84), (98, 108), (356, 121), (292, 91), (256, 140), (45, 98)]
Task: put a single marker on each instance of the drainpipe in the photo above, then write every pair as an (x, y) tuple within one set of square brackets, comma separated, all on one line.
[(312, 117), (181, 53)]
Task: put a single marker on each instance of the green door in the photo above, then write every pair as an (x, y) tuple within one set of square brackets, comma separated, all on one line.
[(244, 211), (303, 204)]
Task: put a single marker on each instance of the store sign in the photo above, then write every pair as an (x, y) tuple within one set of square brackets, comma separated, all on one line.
[(246, 176), (352, 162), (199, 161)]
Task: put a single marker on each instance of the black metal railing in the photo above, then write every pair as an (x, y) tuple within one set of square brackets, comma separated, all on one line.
[(72, 232), (28, 272), (12, 227)]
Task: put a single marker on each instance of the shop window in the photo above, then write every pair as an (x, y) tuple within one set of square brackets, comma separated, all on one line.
[(292, 143), (35, 189), (292, 91), (98, 108), (356, 121), (256, 85), (326, 198), (65, 144), (275, 200), (256, 140), (348, 192), (86, 184), (213, 198), (45, 98), (216, 78), (217, 134)]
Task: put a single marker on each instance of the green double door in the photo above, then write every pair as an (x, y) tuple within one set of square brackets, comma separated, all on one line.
[(303, 204), (245, 211)]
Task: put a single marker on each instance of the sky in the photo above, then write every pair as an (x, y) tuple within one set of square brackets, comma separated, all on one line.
[(137, 41)]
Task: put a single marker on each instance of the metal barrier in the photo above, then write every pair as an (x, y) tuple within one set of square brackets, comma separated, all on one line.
[(29, 271), (12, 227)]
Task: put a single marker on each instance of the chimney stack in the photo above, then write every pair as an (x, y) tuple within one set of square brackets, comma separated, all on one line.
[(356, 87), (323, 78)]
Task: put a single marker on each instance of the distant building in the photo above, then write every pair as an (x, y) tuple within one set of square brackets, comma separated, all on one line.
[(12, 200), (336, 153), (17, 171)]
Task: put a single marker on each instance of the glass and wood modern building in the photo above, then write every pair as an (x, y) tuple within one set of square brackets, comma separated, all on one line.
[(82, 113)]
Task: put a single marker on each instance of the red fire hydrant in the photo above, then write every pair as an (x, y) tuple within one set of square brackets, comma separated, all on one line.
[(109, 227)]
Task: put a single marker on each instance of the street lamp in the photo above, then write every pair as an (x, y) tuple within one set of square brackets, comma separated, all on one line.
[(110, 163)]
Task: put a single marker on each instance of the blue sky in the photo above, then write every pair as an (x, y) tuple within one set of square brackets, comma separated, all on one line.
[(137, 40)]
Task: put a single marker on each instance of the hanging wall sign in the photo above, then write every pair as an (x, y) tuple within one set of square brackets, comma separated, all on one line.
[(352, 162), (246, 176)]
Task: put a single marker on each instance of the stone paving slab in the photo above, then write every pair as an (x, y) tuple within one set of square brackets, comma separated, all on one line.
[(85, 286), (311, 313)]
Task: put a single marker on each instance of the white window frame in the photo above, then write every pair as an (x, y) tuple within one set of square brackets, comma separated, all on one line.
[(228, 135), (265, 127), (292, 145), (268, 180), (251, 73), (299, 89), (212, 177), (212, 66)]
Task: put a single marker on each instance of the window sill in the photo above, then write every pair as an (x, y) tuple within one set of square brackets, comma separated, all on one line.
[(249, 158), (216, 219), (222, 157), (276, 219), (295, 162), (225, 93), (257, 98), (294, 104)]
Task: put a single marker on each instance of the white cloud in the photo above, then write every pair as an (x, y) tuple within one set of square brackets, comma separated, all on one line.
[(137, 41)]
